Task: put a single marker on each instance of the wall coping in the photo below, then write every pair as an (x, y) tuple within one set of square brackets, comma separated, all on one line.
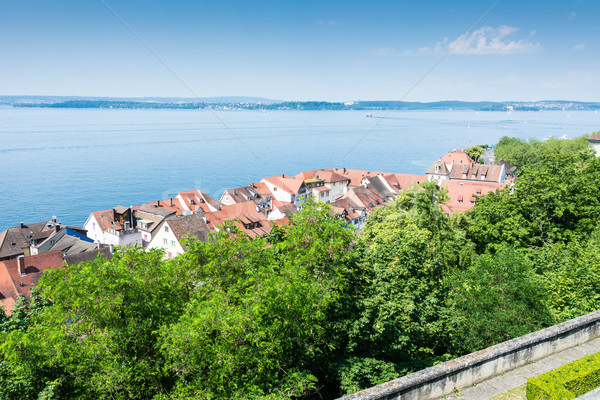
[(436, 372)]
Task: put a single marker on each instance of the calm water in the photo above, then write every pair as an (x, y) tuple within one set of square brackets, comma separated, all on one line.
[(69, 163)]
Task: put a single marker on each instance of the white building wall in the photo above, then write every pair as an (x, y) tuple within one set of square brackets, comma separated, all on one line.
[(165, 239), (93, 230), (338, 189), (278, 193)]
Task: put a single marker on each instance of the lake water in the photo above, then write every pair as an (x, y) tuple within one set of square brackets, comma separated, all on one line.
[(70, 162)]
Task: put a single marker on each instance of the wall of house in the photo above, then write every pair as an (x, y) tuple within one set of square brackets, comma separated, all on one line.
[(338, 189), (93, 230), (465, 371), (278, 193), (596, 147), (165, 239)]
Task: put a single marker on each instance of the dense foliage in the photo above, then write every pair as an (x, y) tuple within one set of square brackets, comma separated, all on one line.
[(313, 310)]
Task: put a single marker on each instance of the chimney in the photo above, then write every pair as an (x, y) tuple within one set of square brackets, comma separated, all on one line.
[(54, 218), (56, 228), (171, 202), (21, 224), (21, 265), (158, 203)]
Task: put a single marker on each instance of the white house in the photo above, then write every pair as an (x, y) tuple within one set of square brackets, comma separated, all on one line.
[(115, 227), (170, 233), (594, 142), (287, 189)]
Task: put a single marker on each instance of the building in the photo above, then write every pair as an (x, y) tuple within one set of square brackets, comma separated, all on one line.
[(286, 189), (464, 194), (19, 275), (148, 219), (196, 201), (170, 233), (594, 142), (259, 193), (116, 227), (449, 167), (68, 239), (16, 241)]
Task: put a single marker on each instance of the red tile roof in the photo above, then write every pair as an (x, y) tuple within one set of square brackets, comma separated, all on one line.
[(286, 183), (463, 193), (457, 157), (595, 137), (13, 284)]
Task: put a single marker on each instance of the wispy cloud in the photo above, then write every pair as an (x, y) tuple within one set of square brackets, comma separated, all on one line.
[(486, 40), (579, 47), (383, 51), (572, 16)]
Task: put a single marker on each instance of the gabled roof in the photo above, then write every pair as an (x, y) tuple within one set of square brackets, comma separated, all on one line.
[(285, 183), (327, 175), (193, 225), (86, 256), (594, 138), (439, 168), (13, 284), (106, 220), (463, 194), (403, 181), (457, 157), (479, 172), (196, 199), (251, 221), (172, 204), (14, 239), (257, 192)]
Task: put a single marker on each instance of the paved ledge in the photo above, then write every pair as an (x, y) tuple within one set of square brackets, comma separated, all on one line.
[(464, 372), (518, 376)]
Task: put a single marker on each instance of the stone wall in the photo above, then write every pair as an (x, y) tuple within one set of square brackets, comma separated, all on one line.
[(445, 378)]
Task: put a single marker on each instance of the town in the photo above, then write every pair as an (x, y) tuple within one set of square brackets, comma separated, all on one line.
[(27, 250)]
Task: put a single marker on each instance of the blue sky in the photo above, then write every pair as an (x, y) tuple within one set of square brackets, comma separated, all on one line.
[(304, 50)]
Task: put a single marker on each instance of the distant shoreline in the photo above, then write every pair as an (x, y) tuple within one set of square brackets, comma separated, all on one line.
[(305, 105)]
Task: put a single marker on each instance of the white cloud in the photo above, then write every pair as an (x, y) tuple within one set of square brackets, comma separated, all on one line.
[(572, 16), (579, 47), (383, 51), (486, 40)]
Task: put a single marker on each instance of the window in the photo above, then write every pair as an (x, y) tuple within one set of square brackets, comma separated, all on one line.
[(166, 229), (170, 255), (172, 243), (165, 241), (274, 188)]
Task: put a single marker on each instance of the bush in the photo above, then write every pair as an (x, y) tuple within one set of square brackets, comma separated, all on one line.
[(567, 382)]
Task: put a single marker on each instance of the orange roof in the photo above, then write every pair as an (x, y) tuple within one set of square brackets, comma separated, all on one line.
[(463, 194), (286, 183), (13, 284), (403, 181), (457, 156), (244, 215)]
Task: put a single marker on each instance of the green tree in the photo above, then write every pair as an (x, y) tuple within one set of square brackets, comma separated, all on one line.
[(98, 338), (553, 200), (475, 152), (257, 325), (498, 298), (392, 324)]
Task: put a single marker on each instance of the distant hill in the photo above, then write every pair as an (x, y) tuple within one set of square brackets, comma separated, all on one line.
[(258, 103)]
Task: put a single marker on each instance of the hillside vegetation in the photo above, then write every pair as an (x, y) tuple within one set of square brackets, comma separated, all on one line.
[(313, 310)]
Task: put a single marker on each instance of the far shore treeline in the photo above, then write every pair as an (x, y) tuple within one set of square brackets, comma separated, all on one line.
[(314, 310), (265, 104)]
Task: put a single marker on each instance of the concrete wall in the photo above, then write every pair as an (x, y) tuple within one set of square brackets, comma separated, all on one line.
[(445, 378)]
